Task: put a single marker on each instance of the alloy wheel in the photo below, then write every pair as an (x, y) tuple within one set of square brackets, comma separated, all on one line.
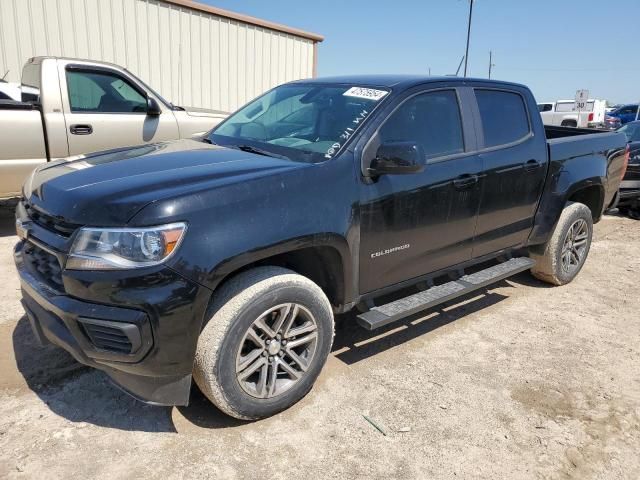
[(277, 350), (574, 247)]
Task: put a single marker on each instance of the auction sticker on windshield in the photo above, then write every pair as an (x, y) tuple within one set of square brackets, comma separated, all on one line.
[(368, 93)]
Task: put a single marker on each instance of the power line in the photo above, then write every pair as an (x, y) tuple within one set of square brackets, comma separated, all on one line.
[(578, 69)]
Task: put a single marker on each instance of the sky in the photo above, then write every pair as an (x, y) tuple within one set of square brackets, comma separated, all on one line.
[(553, 46)]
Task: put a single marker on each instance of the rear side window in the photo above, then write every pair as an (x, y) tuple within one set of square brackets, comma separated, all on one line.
[(430, 119), (504, 117), (545, 107), (628, 109), (31, 79)]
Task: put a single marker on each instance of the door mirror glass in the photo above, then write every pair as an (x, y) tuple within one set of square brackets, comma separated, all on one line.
[(153, 108), (397, 158)]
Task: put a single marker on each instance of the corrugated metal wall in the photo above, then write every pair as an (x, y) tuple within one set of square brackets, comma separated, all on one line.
[(191, 58)]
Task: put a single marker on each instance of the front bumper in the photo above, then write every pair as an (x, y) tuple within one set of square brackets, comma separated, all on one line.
[(140, 328)]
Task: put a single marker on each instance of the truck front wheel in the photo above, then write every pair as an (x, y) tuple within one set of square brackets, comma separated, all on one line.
[(562, 257), (268, 335)]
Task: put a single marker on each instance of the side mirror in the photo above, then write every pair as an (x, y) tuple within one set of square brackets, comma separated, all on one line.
[(397, 158), (153, 108)]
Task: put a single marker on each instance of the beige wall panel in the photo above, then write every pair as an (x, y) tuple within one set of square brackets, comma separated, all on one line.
[(191, 57)]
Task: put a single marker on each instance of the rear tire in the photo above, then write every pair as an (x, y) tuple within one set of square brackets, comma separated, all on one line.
[(268, 335), (562, 257), (569, 123)]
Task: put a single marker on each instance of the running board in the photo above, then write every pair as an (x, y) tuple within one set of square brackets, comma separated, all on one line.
[(391, 312)]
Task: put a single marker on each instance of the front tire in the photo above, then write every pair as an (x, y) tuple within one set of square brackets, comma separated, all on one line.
[(562, 257), (268, 336)]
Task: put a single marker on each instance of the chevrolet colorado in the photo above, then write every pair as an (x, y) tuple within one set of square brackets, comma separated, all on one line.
[(225, 260), (72, 107)]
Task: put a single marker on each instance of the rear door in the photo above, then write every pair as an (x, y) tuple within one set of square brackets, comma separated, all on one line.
[(418, 223), (105, 108), (514, 156)]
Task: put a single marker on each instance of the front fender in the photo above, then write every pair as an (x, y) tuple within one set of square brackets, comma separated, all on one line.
[(242, 223), (332, 241)]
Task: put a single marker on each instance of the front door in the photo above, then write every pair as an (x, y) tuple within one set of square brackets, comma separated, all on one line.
[(105, 109), (418, 223)]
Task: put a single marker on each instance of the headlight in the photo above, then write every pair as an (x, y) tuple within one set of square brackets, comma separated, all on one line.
[(124, 248)]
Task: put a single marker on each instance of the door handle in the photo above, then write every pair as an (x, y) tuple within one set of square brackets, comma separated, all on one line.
[(465, 181), (531, 165), (81, 129)]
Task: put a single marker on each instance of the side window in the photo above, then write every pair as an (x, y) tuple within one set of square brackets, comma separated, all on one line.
[(31, 80), (544, 107), (504, 116), (98, 92), (430, 119)]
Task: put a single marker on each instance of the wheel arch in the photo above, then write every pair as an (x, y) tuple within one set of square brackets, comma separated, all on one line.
[(324, 259), (592, 196)]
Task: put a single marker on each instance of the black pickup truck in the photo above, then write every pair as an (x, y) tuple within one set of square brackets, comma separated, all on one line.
[(225, 260)]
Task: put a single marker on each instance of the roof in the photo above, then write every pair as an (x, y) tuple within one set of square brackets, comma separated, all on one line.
[(393, 80), (246, 19)]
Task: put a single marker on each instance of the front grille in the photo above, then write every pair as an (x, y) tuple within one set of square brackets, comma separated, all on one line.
[(106, 337), (44, 266), (633, 172), (50, 222)]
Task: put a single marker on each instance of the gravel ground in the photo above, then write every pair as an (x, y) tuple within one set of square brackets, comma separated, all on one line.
[(520, 381)]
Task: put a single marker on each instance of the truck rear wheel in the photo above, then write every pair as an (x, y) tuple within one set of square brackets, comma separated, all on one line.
[(562, 257), (268, 335)]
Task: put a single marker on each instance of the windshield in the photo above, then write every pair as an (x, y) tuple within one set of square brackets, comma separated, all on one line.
[(632, 131), (149, 89), (303, 122)]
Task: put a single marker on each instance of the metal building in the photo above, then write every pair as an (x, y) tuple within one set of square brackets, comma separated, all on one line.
[(193, 54)]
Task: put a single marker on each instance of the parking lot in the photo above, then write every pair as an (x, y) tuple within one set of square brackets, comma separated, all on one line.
[(520, 381)]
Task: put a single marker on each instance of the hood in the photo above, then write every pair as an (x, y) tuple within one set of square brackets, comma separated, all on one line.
[(205, 112), (110, 187)]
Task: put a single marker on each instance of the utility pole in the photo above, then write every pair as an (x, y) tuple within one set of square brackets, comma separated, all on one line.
[(466, 55), (459, 65), (429, 71), (491, 64)]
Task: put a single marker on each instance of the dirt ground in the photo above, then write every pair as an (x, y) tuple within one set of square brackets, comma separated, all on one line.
[(519, 381)]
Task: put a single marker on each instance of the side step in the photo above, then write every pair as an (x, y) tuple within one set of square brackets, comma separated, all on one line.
[(385, 314)]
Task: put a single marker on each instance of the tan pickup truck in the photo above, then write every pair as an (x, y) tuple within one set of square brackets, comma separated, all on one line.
[(83, 107)]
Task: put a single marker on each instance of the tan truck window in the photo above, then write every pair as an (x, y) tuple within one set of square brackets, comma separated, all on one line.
[(98, 92)]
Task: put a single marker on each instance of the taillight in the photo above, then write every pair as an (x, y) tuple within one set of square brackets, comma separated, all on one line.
[(625, 162), (591, 117)]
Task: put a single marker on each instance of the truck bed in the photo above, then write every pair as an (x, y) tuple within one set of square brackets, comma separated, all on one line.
[(570, 142), (587, 147)]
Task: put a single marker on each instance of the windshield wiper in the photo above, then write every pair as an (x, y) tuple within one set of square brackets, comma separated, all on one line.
[(259, 151)]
